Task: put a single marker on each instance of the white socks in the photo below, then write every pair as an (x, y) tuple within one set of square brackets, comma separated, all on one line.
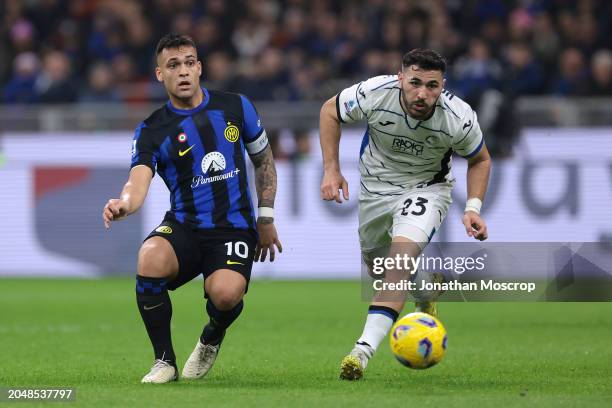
[(378, 323)]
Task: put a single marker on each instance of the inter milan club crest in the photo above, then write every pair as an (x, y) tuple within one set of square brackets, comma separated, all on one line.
[(182, 137), (231, 132)]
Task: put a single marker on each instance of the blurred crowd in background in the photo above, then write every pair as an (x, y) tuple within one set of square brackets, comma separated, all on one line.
[(62, 51), (76, 51)]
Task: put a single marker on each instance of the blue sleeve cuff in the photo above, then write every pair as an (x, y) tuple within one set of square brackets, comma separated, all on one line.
[(476, 150)]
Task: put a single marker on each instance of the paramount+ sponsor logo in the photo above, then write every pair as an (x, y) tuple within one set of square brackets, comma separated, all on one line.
[(213, 165), (407, 146)]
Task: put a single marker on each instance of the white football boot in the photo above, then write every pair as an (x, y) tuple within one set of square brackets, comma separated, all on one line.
[(200, 361), (161, 372)]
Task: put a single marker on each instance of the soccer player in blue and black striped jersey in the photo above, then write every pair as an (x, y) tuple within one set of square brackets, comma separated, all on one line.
[(197, 143)]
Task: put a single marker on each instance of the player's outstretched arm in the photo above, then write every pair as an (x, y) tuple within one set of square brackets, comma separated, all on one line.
[(132, 196), (329, 133), (479, 168), (265, 184)]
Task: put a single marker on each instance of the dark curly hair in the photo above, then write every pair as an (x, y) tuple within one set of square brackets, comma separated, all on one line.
[(426, 59)]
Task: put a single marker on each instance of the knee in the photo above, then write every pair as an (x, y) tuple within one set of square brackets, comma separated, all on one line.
[(225, 298), (154, 261)]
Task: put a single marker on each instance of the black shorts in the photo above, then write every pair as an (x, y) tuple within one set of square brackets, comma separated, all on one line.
[(204, 251)]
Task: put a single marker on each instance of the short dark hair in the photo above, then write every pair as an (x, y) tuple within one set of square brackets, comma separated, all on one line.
[(173, 40), (426, 59)]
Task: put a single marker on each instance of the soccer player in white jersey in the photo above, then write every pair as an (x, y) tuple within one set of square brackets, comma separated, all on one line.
[(413, 128)]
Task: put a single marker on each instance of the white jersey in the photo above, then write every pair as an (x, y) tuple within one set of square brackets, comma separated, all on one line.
[(398, 152)]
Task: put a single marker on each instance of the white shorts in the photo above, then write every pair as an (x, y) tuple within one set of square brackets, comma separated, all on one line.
[(417, 215)]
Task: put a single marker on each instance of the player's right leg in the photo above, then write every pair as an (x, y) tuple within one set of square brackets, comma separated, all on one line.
[(382, 312), (157, 264), (408, 222), (167, 259), (375, 220)]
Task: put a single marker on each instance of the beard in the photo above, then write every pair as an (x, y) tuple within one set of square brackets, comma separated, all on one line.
[(418, 113)]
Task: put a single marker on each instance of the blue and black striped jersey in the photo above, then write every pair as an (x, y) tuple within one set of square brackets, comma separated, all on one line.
[(200, 155)]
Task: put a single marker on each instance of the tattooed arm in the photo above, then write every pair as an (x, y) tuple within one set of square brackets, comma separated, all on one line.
[(265, 181), (265, 184)]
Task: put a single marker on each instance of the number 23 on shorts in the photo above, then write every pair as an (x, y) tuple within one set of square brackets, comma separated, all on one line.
[(418, 208)]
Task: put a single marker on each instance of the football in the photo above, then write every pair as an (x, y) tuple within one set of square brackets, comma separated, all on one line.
[(418, 340)]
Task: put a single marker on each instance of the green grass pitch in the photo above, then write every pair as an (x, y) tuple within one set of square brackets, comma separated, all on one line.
[(286, 348)]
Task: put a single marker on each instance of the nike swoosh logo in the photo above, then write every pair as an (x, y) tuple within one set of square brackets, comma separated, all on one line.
[(152, 307), (386, 123), (234, 263), (184, 152), (467, 124)]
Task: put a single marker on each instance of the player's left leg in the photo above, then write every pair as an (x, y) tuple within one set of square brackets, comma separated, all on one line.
[(418, 217), (224, 289)]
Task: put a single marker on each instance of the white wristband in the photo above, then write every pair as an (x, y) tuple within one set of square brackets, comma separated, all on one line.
[(473, 204), (266, 212)]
